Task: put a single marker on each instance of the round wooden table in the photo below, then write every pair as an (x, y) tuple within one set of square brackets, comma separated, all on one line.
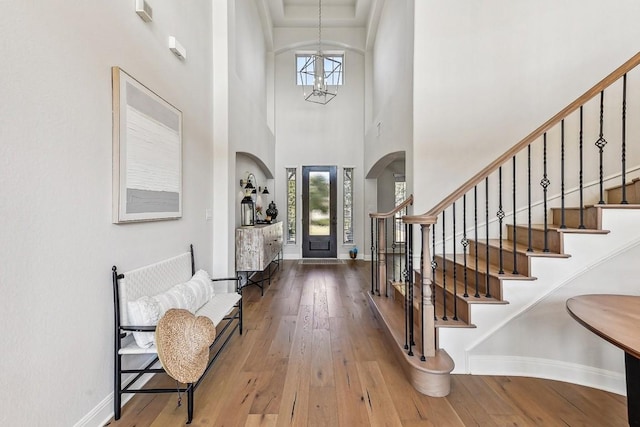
[(616, 318)]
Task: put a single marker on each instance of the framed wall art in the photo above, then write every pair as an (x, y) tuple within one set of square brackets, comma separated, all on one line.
[(147, 153)]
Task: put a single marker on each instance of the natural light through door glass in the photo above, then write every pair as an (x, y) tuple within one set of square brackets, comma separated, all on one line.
[(319, 202)]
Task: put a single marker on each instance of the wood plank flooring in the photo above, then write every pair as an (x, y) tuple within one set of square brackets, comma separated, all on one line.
[(313, 354)]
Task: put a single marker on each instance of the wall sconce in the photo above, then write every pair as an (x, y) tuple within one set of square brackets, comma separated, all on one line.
[(250, 184)]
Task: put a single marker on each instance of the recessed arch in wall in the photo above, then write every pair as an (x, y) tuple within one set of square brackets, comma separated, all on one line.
[(264, 169), (382, 163)]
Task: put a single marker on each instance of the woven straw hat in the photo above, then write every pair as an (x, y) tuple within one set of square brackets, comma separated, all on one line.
[(183, 342)]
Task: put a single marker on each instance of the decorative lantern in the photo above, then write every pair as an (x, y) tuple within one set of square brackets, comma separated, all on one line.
[(247, 211)]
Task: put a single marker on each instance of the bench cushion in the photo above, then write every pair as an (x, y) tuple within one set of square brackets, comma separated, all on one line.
[(147, 310), (219, 306), (216, 309)]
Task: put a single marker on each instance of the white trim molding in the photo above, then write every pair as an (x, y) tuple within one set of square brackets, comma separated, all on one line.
[(610, 381)]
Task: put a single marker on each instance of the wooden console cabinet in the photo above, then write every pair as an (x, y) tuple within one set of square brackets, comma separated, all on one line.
[(257, 248)]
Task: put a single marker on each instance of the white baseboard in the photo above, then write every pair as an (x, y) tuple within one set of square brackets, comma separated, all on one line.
[(549, 369), (103, 411)]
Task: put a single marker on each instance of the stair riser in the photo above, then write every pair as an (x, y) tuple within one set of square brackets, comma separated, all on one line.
[(495, 286), (399, 299), (522, 259), (614, 195), (537, 238), (572, 217), (462, 305)]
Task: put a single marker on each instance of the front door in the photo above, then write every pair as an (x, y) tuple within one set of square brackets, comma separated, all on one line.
[(319, 190)]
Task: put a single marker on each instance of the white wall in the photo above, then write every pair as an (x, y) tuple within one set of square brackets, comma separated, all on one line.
[(58, 242), (240, 114), (492, 71), (389, 94), (391, 72), (313, 134), (248, 84)]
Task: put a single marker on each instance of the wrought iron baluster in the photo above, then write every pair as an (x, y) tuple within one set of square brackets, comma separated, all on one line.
[(401, 257), (624, 141), (529, 247), (581, 172), (422, 270), (475, 242), (562, 218), (386, 257), (600, 143), (410, 281), (515, 230), (405, 281), (486, 212), (500, 215), (373, 259), (545, 184), (465, 243), (455, 265), (444, 268), (394, 276), (434, 266)]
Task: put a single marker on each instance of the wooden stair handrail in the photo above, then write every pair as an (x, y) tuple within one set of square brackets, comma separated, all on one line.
[(430, 217), (407, 202)]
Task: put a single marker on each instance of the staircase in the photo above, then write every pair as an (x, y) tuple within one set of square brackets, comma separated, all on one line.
[(508, 241)]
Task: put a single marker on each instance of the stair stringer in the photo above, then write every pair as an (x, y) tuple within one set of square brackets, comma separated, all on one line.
[(587, 251)]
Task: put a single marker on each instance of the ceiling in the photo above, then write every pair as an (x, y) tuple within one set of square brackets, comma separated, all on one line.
[(304, 13)]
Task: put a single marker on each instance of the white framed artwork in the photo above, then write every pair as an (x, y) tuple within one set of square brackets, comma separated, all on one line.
[(147, 153)]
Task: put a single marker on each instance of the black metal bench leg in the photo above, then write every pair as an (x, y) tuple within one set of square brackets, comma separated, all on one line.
[(117, 386), (240, 314), (190, 403)]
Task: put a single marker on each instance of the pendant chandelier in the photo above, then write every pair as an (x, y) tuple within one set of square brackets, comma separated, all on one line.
[(319, 72)]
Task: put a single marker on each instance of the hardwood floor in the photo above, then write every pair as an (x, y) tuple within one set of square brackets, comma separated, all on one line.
[(313, 355)]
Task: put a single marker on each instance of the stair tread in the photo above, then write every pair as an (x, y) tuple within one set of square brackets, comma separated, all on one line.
[(556, 228), (399, 287), (620, 206), (439, 306), (470, 299), (507, 246), (493, 269), (393, 318), (570, 230), (450, 322), (603, 206)]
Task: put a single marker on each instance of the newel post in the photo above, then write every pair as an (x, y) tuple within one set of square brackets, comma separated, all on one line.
[(382, 257), (428, 310)]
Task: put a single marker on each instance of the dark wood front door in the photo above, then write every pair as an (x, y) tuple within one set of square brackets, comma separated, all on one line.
[(319, 194)]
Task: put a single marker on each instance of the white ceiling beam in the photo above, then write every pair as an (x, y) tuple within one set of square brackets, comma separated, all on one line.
[(338, 13)]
